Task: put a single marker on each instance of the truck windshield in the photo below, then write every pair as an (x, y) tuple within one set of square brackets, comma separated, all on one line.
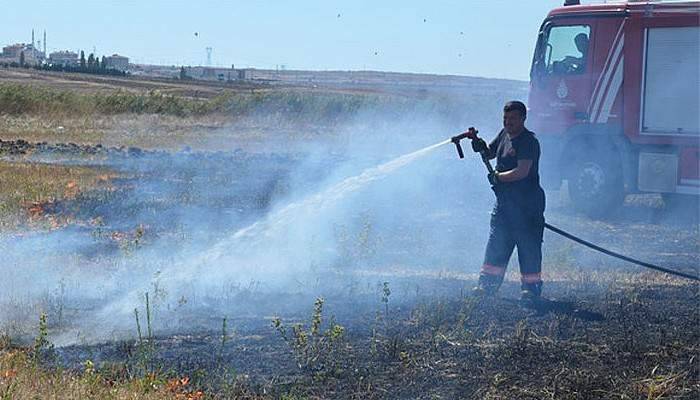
[(566, 49)]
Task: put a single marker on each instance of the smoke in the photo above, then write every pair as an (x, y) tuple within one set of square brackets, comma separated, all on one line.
[(262, 232), (222, 233)]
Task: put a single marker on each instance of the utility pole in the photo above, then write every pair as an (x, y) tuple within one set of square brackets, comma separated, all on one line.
[(209, 50)]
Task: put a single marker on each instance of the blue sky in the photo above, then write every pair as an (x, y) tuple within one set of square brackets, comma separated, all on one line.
[(479, 37)]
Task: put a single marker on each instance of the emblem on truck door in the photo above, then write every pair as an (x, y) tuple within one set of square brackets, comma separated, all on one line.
[(562, 90)]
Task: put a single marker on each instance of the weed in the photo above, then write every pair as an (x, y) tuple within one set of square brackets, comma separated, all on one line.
[(386, 292), (138, 325), (148, 319), (42, 346), (90, 375), (5, 341), (88, 367), (224, 339), (145, 351), (316, 350), (405, 358), (316, 317)]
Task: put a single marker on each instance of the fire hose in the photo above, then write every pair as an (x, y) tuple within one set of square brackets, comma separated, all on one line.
[(472, 133)]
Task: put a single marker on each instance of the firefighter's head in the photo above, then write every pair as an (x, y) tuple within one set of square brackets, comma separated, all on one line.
[(581, 42), (514, 115)]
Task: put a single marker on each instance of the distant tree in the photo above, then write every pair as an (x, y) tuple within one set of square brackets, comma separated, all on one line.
[(82, 59), (97, 63), (104, 62), (183, 73), (21, 59), (91, 61)]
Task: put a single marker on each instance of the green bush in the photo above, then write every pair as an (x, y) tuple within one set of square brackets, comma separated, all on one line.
[(24, 99)]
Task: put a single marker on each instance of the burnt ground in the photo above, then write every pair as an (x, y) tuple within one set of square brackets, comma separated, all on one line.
[(608, 330), (625, 342)]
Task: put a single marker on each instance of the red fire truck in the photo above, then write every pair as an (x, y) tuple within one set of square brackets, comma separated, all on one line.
[(614, 99)]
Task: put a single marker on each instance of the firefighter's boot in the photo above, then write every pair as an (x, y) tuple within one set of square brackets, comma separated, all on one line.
[(488, 285), (530, 293)]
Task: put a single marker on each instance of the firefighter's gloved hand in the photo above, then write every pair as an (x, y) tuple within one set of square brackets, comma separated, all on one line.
[(493, 179), (479, 145)]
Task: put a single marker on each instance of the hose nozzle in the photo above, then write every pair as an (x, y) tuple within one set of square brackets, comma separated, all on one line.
[(469, 134)]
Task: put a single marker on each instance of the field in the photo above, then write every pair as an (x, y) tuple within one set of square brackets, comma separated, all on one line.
[(176, 240)]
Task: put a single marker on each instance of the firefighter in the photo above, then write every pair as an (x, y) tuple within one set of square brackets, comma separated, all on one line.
[(574, 65), (517, 219)]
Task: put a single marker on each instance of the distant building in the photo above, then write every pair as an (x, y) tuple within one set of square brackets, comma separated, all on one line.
[(65, 58), (245, 74), (118, 62), (14, 50), (208, 72), (13, 53)]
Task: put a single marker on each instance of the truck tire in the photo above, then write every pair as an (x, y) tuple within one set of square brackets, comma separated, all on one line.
[(596, 184)]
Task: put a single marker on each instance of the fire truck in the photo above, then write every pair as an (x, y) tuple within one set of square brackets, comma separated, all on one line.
[(614, 99)]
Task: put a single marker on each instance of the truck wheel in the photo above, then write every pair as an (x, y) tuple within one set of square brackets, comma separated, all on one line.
[(595, 185)]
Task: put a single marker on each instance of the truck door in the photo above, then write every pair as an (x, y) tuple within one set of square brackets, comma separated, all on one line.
[(560, 88)]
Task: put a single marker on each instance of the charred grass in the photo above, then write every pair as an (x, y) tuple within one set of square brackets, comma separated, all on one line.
[(642, 343), (606, 333)]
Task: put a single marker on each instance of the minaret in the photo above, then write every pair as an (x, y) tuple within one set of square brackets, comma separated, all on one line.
[(32, 37), (44, 42)]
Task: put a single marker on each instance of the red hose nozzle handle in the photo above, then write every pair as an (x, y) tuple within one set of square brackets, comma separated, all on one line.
[(470, 134)]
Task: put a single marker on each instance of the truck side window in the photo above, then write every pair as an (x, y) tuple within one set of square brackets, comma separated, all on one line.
[(566, 49)]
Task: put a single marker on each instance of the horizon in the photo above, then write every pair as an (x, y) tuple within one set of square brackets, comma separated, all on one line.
[(435, 39)]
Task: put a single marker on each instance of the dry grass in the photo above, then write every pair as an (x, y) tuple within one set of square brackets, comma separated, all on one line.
[(162, 132), (28, 192), (21, 378), (145, 131), (296, 104)]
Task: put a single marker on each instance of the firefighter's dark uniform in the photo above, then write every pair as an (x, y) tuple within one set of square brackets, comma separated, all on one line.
[(517, 219)]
